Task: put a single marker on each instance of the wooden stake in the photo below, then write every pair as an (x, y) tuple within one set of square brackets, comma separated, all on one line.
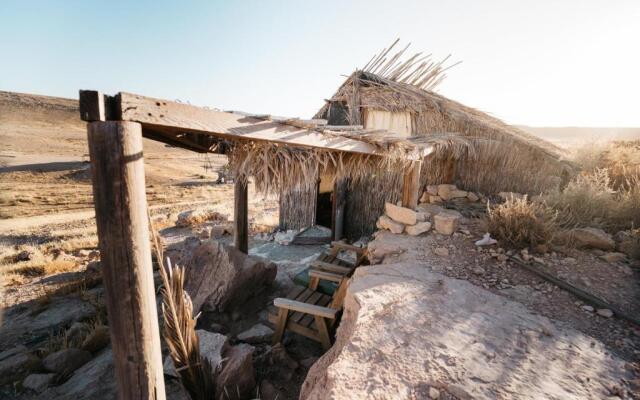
[(411, 185), (240, 214), (117, 171)]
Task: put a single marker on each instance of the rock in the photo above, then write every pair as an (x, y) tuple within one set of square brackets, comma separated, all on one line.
[(446, 222), (218, 231), (258, 333), (375, 351), (385, 222), (478, 271), (422, 216), (95, 380), (511, 196), (425, 197), (588, 308), (613, 257), (455, 194), (24, 255), (628, 242), (219, 276), (502, 257), (168, 368), (212, 346), (590, 238), (605, 312), (445, 189), (77, 332), (285, 238), (236, 380), (473, 197), (435, 199), (66, 361), (97, 339), (15, 363), (434, 393), (278, 355), (441, 251), (419, 228), (385, 245), (486, 240), (403, 215), (269, 392), (38, 382), (432, 190), (197, 217)]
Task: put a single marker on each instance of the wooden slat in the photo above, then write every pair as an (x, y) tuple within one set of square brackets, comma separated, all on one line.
[(339, 269), (348, 247), (304, 295), (324, 301), (327, 276), (297, 316), (305, 308), (164, 113)]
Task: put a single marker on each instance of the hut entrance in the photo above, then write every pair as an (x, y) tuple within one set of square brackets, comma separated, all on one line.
[(324, 203)]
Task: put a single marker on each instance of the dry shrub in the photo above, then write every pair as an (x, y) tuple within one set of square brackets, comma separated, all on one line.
[(520, 223), (619, 158), (591, 200), (48, 268)]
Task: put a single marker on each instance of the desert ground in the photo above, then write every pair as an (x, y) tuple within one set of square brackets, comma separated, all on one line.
[(452, 318)]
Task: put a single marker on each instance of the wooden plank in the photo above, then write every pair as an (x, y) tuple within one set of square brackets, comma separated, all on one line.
[(327, 276), (297, 316), (305, 308), (338, 269), (241, 215), (120, 202), (164, 113), (281, 323), (308, 318), (411, 185), (323, 332), (349, 247)]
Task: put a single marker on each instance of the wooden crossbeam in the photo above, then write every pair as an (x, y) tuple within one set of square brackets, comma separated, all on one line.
[(164, 115)]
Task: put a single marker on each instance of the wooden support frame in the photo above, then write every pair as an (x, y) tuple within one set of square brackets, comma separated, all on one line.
[(411, 185), (117, 168), (241, 214)]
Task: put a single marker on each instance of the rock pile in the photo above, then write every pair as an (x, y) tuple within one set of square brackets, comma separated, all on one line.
[(399, 219), (436, 194)]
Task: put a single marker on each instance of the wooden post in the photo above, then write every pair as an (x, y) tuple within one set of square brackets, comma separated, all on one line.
[(339, 203), (120, 201), (411, 185), (240, 214)]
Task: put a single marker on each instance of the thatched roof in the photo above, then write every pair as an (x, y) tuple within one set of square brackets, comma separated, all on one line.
[(503, 157)]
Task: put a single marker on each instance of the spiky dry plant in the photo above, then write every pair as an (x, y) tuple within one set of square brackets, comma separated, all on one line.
[(179, 330), (521, 223)]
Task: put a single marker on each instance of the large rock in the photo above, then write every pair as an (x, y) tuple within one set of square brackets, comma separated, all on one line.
[(15, 363), (220, 277), (212, 346), (445, 189), (385, 222), (446, 222), (592, 238), (38, 382), (66, 361), (403, 215), (406, 330), (419, 228), (258, 333), (95, 380), (237, 379)]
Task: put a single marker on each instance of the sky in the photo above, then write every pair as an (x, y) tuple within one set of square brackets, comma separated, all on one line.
[(539, 63)]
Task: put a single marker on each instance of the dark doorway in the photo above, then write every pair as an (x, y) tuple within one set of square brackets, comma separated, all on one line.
[(324, 208)]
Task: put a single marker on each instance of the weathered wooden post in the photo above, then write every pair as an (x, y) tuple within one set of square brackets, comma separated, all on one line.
[(115, 148), (411, 185), (241, 214)]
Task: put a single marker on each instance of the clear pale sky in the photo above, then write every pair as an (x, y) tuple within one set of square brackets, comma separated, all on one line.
[(543, 63)]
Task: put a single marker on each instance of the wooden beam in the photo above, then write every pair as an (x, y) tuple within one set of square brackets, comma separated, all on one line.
[(411, 185), (96, 106), (240, 215), (120, 202), (164, 113), (339, 204), (294, 305)]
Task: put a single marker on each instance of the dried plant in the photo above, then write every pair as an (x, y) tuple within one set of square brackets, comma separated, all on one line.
[(520, 223), (179, 330)]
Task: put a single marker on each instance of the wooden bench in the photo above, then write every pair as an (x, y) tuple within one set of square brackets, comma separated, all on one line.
[(308, 312), (329, 262)]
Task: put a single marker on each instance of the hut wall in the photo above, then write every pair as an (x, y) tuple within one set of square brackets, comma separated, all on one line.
[(298, 208), (365, 202)]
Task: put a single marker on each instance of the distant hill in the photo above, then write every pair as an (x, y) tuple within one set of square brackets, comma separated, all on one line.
[(574, 136)]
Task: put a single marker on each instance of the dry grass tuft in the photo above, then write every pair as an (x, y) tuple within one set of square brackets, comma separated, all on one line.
[(520, 223), (196, 372), (48, 268)]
